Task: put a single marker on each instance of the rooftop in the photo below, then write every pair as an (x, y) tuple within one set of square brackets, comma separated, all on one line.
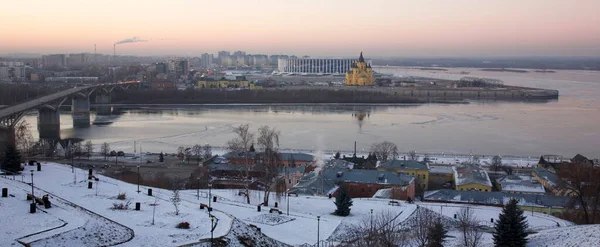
[(544, 174), (441, 169), (520, 184), (331, 175), (496, 198), (467, 173), (403, 164)]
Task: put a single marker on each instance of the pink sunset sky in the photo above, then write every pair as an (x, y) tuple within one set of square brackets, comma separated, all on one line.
[(305, 27)]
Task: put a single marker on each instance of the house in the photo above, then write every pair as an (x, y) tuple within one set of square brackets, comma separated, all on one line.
[(550, 166), (356, 182), (369, 163), (440, 176), (292, 175), (283, 158), (521, 185), (581, 160), (419, 170), (547, 204), (469, 176)]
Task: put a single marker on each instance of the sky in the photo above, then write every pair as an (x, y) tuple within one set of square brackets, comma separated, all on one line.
[(319, 28)]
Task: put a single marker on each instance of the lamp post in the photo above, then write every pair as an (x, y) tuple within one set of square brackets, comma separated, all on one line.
[(32, 195), (212, 228), (138, 182), (198, 190), (371, 219), (209, 194), (318, 226)]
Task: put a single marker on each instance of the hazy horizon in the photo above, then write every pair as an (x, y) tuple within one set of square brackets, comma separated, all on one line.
[(462, 28)]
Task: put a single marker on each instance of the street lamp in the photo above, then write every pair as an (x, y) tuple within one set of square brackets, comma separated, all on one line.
[(371, 219), (138, 182), (32, 195), (212, 228), (318, 226)]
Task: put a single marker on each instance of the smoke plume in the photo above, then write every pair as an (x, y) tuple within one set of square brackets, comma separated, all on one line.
[(131, 40), (319, 163)]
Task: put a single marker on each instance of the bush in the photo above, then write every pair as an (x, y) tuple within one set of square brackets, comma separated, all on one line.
[(121, 196), (183, 225), (121, 206)]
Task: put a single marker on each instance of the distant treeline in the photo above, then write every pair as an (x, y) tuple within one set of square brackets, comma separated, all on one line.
[(11, 94), (216, 96)]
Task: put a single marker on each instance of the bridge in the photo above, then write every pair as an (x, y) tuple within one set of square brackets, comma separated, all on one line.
[(48, 110)]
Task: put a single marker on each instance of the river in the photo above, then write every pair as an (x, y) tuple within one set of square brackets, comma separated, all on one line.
[(566, 126)]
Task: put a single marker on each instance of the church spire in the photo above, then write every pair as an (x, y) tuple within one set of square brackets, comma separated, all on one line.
[(361, 59)]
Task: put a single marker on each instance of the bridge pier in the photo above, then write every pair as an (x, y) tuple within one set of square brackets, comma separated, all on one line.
[(48, 123), (104, 99), (80, 109)]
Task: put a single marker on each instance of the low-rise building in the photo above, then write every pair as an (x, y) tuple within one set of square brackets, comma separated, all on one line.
[(469, 176), (239, 82), (283, 158), (440, 176), (161, 85), (356, 182), (521, 185), (419, 170), (547, 204)]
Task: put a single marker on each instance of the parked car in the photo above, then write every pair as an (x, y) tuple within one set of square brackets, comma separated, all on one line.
[(113, 153), (120, 153)]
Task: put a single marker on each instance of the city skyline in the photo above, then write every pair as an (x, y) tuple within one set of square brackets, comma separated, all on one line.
[(465, 28)]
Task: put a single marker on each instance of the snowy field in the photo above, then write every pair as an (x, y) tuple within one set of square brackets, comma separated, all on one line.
[(83, 217)]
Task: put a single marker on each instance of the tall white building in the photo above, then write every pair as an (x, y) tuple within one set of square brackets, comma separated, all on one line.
[(315, 65), (11, 69), (206, 60)]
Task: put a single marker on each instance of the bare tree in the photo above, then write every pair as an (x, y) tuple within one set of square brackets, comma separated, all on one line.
[(471, 235), (24, 138), (496, 163), (240, 146), (412, 155), (268, 140), (207, 151), (197, 150), (89, 148), (385, 151), (105, 149), (381, 229), (422, 220), (78, 149), (175, 200), (582, 182)]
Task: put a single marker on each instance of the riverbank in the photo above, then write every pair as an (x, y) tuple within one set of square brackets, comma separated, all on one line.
[(331, 95)]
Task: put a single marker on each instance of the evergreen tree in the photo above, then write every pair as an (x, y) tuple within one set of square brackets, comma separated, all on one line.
[(252, 150), (343, 202), (510, 228), (161, 157), (12, 159), (436, 234), (337, 155)]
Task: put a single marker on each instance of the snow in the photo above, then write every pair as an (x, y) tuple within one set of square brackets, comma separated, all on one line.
[(574, 236), (440, 169), (79, 217), (484, 214), (469, 174), (521, 184)]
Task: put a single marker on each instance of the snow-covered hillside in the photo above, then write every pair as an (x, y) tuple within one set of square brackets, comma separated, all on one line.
[(83, 217)]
